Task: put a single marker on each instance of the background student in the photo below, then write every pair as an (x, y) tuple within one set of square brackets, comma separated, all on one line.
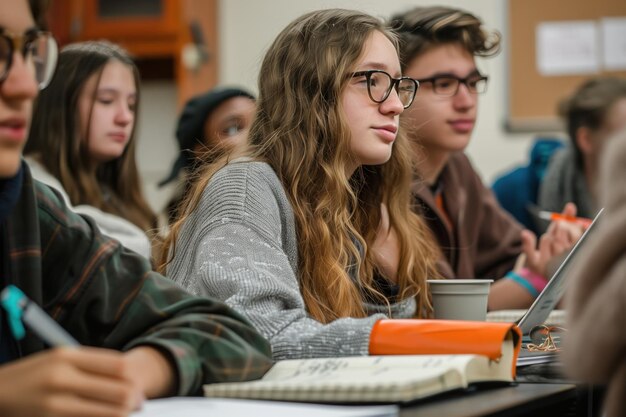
[(218, 120), (311, 236), (82, 140), (595, 349), (103, 294), (478, 239), (517, 190), (593, 113)]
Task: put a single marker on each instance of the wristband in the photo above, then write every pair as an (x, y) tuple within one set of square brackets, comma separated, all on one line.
[(537, 281), (513, 276)]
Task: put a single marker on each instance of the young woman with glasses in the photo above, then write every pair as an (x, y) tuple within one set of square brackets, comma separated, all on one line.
[(310, 234), (82, 140), (478, 239)]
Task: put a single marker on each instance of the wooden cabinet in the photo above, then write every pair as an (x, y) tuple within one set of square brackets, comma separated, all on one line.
[(156, 32)]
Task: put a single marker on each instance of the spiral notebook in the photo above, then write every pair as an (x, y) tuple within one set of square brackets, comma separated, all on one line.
[(371, 379)]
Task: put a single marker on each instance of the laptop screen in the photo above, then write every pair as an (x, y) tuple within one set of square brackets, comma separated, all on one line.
[(552, 293)]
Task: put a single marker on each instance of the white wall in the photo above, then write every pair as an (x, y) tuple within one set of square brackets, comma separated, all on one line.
[(156, 144), (246, 29)]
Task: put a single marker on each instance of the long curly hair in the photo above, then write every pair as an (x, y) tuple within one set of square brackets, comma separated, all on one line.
[(55, 138), (300, 130)]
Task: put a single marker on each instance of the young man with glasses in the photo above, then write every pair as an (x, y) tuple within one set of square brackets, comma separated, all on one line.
[(104, 295), (477, 238)]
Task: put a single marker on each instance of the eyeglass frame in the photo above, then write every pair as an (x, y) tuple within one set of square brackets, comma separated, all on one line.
[(550, 342), (464, 81), (18, 42), (395, 82)]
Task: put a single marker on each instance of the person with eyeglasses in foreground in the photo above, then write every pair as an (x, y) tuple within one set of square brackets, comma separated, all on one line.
[(104, 295), (477, 238), (309, 233)]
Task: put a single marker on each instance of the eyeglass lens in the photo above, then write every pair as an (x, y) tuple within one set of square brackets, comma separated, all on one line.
[(39, 51), (449, 86), (380, 86)]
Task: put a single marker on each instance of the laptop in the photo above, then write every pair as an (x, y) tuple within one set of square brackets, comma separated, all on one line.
[(548, 299)]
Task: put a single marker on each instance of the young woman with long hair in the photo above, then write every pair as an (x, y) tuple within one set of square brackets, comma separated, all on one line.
[(82, 140), (310, 233)]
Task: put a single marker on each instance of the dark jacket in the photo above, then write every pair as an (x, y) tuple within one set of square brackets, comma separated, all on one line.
[(486, 240), (107, 296)]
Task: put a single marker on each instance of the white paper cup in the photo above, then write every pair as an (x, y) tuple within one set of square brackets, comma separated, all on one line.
[(460, 299)]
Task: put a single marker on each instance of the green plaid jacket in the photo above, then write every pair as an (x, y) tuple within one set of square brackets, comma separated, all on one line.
[(107, 296)]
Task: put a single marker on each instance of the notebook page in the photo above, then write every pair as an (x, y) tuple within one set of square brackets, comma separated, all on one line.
[(209, 407)]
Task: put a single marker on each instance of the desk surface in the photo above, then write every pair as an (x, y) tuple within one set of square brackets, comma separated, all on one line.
[(519, 400)]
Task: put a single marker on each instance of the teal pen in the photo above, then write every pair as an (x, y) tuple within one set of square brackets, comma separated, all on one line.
[(20, 309)]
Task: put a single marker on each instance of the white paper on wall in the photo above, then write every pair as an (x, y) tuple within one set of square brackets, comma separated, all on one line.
[(613, 33), (566, 48)]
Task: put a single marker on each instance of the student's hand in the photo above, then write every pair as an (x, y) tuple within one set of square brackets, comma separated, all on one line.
[(559, 238), (151, 372), (70, 382), (386, 247)]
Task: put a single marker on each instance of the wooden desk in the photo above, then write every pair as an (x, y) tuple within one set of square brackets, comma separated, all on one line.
[(522, 400)]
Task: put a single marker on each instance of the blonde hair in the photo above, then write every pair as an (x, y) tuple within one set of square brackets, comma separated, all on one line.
[(301, 132)]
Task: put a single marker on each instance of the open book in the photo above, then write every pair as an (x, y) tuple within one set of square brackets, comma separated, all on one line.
[(371, 379)]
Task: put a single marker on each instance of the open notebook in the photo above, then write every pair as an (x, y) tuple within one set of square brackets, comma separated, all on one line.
[(391, 378), (545, 302)]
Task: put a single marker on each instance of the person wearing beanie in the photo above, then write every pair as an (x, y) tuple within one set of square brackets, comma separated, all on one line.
[(218, 120)]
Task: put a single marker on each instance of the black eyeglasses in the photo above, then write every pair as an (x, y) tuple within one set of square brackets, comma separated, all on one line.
[(39, 49), (448, 85), (380, 83)]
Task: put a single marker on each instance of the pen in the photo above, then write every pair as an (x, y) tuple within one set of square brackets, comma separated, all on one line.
[(20, 309), (549, 215)]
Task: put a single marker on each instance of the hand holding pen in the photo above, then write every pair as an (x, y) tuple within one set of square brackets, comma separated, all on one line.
[(552, 216), (20, 309), (63, 381), (558, 238)]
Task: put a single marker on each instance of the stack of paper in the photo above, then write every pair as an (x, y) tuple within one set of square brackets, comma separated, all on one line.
[(210, 407), (556, 317)]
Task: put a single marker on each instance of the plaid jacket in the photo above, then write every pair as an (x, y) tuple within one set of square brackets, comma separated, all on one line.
[(107, 296)]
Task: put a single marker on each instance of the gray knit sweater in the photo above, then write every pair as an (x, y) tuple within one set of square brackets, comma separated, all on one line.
[(240, 246)]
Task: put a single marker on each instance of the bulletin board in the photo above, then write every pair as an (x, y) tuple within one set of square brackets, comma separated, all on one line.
[(534, 96)]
